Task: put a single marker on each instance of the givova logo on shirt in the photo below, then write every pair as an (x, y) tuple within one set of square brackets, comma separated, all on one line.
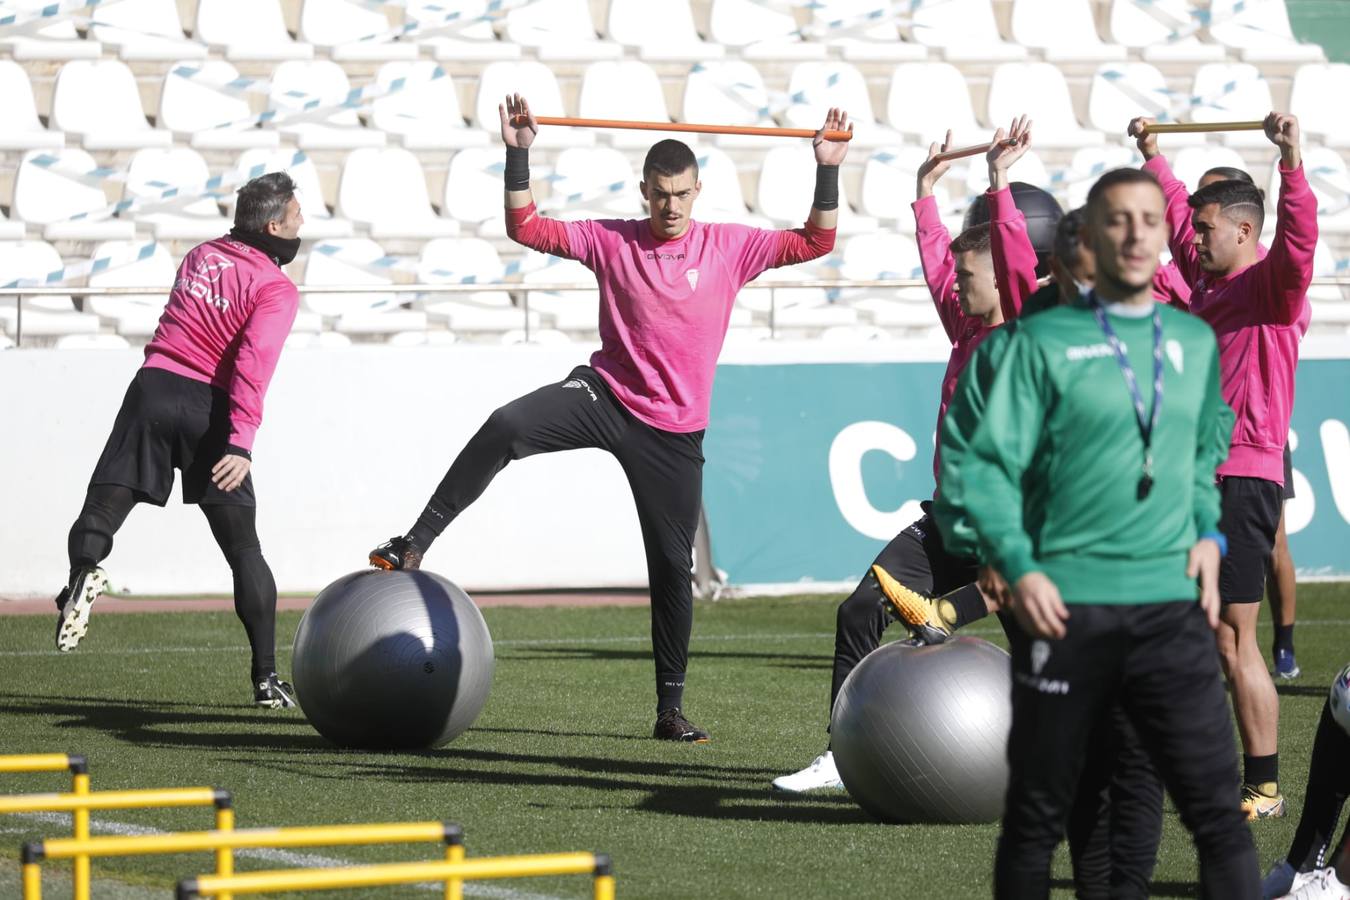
[(204, 279)]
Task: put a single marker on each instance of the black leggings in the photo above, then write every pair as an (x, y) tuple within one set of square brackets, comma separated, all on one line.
[(106, 507), (1328, 787), (665, 473)]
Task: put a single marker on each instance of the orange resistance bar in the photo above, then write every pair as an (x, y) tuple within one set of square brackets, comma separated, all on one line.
[(686, 126), (963, 152)]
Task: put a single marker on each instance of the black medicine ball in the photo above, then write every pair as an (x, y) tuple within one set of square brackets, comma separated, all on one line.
[(1042, 212)]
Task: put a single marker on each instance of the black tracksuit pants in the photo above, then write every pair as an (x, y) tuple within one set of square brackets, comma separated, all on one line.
[(1328, 787), (664, 470), (1160, 663)]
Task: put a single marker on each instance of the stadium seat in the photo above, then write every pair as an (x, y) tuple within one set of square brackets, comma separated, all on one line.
[(1029, 169), (322, 340), (888, 185), (99, 101), (52, 186), (1122, 91), (816, 86), (473, 189), (559, 29), (132, 264), (351, 31), (1089, 164), (629, 89), (1190, 163), (6, 342), (1259, 30), (1324, 266), (248, 30), (721, 199), (926, 99), (319, 220), (868, 257), (787, 293), (461, 261), (565, 310), (10, 229), (1161, 31), (296, 86), (1318, 99), (1040, 91), (144, 30), (92, 342), (45, 31), (425, 114), (1223, 92), (151, 173), (352, 261), (593, 182), (728, 93), (421, 339), (535, 82), (786, 179), (43, 316), (963, 30), (460, 31), (386, 190), (196, 100), (1063, 29), (1330, 181), (671, 37), (759, 31), (23, 130), (542, 336), (863, 30)]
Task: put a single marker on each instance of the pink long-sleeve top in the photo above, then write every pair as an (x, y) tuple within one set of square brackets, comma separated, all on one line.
[(1170, 288), (1014, 271), (665, 304), (1259, 314), (228, 315)]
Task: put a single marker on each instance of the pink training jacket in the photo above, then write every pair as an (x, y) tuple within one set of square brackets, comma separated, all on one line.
[(226, 320), (1258, 314), (1014, 271), (665, 305), (1170, 288)]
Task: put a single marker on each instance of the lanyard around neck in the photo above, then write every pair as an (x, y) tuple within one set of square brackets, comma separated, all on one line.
[(1146, 421)]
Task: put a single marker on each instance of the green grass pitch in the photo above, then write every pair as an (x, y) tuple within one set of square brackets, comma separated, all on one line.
[(560, 759)]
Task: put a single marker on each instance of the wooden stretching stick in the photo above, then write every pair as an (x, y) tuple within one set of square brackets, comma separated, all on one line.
[(963, 152), (684, 126), (1200, 127)]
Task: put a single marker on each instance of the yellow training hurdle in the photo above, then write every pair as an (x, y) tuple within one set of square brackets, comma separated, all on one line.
[(228, 841), (596, 865), (75, 803), (79, 785)]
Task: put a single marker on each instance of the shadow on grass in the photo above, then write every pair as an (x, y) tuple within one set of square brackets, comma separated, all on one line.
[(1299, 690), (581, 652), (1156, 889)]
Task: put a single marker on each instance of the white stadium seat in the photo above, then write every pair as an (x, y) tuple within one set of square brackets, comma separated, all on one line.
[(92, 342), (628, 89), (151, 173), (459, 31), (1124, 90), (23, 130), (1161, 31), (1330, 182), (759, 31), (425, 114), (10, 229), (593, 182), (248, 30), (564, 310), (49, 190), (888, 185), (786, 179), (352, 261), (1318, 99), (721, 199), (884, 256), (1089, 164), (322, 340), (461, 261), (816, 86), (1063, 29), (41, 36), (1324, 266), (963, 29), (133, 315), (99, 101), (144, 30), (421, 339), (1223, 92), (1040, 91), (196, 100), (351, 31), (1259, 30), (1192, 162), (926, 99), (43, 316), (559, 29), (1029, 169), (386, 190), (855, 29), (296, 86), (670, 37), (319, 221), (728, 93), (536, 83), (788, 294), (473, 189)]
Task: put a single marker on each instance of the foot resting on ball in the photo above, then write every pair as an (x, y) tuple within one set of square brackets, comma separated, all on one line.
[(273, 693), (671, 725), (396, 553), (926, 619), (820, 774), (1262, 801), (76, 601)]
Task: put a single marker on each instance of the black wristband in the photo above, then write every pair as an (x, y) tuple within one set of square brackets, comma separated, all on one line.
[(232, 450), (827, 188), (517, 169)]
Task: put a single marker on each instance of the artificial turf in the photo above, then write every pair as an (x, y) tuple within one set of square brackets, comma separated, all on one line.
[(561, 758)]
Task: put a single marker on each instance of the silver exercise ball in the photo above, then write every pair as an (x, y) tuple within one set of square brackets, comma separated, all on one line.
[(920, 734), (392, 660)]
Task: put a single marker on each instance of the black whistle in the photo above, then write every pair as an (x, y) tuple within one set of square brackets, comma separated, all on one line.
[(1145, 485)]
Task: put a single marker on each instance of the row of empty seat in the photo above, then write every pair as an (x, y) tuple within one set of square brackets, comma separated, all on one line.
[(1061, 30)]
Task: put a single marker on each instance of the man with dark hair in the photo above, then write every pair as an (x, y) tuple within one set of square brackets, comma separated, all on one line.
[(1168, 285), (195, 405), (1102, 547), (915, 579), (667, 285), (1258, 308)]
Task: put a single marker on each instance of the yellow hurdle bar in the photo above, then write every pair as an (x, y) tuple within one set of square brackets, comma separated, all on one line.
[(79, 784), (1202, 127), (279, 881)]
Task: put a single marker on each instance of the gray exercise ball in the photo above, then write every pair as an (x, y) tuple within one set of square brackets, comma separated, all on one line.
[(392, 660), (920, 734)]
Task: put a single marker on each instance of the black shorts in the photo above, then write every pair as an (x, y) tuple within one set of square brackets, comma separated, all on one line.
[(1249, 518), (1288, 474), (919, 560), (170, 422)]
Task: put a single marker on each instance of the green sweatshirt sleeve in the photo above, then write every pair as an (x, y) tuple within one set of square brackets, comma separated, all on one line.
[(1000, 452), (1213, 436)]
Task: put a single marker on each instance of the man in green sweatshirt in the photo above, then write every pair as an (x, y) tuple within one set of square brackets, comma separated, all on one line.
[(1095, 498)]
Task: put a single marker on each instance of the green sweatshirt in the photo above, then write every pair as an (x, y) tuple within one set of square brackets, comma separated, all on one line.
[(963, 417), (1051, 472)]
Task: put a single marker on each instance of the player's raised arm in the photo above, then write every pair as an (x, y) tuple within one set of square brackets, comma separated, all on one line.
[(829, 157), (1288, 265), (519, 129), (1014, 256), (1180, 242)]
